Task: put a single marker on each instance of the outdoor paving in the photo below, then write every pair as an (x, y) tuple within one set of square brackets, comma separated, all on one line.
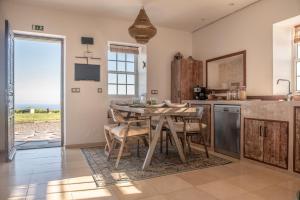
[(37, 135)]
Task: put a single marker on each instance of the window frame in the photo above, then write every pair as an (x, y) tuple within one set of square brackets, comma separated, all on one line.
[(116, 72), (296, 61)]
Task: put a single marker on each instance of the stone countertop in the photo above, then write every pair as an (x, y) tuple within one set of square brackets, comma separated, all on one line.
[(258, 109), (246, 102)]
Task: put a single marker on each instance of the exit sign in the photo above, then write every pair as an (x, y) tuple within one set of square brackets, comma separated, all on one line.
[(37, 27)]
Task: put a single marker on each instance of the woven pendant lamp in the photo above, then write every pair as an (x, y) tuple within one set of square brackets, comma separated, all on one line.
[(142, 30)]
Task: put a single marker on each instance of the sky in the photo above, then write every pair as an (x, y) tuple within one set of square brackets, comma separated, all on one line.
[(37, 71)]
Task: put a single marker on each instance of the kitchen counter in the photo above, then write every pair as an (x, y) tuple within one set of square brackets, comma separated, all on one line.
[(268, 110)]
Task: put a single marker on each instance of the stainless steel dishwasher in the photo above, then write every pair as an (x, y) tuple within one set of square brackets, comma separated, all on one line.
[(227, 125)]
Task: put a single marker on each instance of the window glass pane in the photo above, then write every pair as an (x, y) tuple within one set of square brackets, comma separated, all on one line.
[(112, 66), (298, 51), (112, 78), (112, 56), (298, 84), (122, 89), (130, 89), (121, 78), (130, 79), (298, 68), (121, 56), (121, 66), (130, 57), (130, 67), (112, 89)]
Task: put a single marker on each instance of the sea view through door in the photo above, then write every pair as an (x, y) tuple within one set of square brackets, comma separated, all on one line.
[(38, 86)]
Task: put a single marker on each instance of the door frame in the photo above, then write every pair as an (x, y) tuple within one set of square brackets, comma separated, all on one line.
[(60, 39)]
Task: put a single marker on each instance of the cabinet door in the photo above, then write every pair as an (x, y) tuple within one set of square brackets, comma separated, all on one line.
[(175, 81), (186, 80), (276, 143), (206, 119), (197, 76), (297, 140), (253, 140)]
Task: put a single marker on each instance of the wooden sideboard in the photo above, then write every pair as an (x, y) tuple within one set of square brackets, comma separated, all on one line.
[(266, 141), (186, 73)]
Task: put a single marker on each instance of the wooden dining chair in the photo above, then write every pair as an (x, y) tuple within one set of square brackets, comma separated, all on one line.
[(191, 126), (125, 130)]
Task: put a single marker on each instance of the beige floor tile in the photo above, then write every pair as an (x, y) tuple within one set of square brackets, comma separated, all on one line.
[(167, 184), (197, 177), (135, 190), (157, 197), (42, 190), (293, 184), (221, 189), (23, 180), (13, 193), (189, 194), (247, 196), (52, 196), (249, 182), (221, 172), (73, 173), (80, 179), (50, 177), (97, 194), (275, 193)]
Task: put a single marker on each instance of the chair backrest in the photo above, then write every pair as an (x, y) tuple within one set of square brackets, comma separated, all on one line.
[(117, 116), (199, 112)]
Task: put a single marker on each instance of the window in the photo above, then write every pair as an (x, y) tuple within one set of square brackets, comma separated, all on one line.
[(122, 73), (297, 66)]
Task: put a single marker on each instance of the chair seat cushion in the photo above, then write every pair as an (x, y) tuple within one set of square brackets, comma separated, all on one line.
[(190, 127), (120, 131)]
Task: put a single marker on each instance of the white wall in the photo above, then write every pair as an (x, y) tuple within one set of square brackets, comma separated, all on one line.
[(284, 54), (282, 58), (86, 112), (251, 30)]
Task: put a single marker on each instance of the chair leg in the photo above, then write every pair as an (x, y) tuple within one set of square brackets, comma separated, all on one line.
[(167, 143), (170, 139), (205, 146), (138, 148), (189, 144), (182, 143), (161, 141), (120, 153), (113, 144)]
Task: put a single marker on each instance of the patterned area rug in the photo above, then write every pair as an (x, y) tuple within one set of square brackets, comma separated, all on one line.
[(130, 168)]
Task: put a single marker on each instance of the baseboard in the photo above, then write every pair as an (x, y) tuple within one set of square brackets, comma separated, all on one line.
[(86, 145)]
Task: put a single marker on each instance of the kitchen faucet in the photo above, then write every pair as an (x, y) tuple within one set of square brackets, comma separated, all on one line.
[(289, 95)]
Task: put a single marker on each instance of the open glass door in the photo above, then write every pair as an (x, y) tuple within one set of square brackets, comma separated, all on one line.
[(9, 64)]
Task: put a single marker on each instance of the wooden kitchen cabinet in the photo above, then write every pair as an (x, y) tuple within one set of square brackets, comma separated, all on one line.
[(206, 119), (186, 73), (253, 142), (297, 140), (266, 141)]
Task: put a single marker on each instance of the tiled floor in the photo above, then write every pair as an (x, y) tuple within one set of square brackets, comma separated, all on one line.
[(64, 174)]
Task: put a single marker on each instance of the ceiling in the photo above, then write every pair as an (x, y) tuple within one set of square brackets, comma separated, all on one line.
[(187, 15)]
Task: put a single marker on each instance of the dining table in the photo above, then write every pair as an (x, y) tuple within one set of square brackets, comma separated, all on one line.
[(165, 115)]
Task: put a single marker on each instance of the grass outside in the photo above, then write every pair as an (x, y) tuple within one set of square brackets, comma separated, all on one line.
[(36, 117)]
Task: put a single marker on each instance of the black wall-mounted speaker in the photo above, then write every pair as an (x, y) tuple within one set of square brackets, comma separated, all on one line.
[(87, 40)]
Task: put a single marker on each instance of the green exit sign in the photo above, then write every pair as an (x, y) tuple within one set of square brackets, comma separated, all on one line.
[(37, 27)]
